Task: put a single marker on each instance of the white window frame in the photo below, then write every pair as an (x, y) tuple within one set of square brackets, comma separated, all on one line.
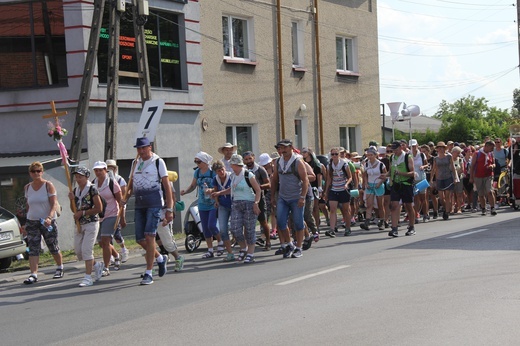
[(234, 138), (297, 44), (349, 57), (347, 141), (250, 39)]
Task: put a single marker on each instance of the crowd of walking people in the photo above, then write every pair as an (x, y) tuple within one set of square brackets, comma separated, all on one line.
[(286, 192)]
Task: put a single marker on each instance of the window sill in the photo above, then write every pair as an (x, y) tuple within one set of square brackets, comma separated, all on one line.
[(299, 69), (348, 74), (240, 62)]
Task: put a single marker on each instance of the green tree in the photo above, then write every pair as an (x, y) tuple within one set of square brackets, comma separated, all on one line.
[(470, 119)]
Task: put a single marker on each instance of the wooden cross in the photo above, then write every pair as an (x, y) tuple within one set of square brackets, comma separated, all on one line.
[(54, 113)]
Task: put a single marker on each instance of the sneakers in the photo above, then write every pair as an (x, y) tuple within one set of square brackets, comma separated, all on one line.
[(231, 257), (331, 233), (347, 232), (179, 264), (365, 225), (147, 280), (435, 215), (288, 251), (493, 212), (279, 251), (393, 233), (380, 225), (316, 237), (112, 260), (387, 225), (105, 272), (483, 212), (162, 266), (445, 215), (87, 281), (297, 253), (307, 243), (117, 263), (411, 231), (260, 242), (426, 218), (124, 254), (97, 271), (58, 274)]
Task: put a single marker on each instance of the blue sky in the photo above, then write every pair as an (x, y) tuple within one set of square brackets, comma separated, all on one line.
[(434, 50)]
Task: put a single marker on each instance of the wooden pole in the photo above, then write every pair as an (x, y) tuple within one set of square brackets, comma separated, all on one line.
[(280, 67), (321, 149)]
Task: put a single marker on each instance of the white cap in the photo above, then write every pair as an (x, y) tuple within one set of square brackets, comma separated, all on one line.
[(264, 159), (412, 142), (99, 165)]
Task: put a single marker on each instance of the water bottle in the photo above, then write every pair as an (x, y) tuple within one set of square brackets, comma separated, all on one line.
[(206, 192), (42, 221)]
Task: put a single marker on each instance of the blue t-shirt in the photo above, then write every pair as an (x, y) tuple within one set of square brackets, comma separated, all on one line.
[(223, 200), (241, 190), (204, 181)]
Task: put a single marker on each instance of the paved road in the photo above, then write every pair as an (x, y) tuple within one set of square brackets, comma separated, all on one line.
[(454, 283)]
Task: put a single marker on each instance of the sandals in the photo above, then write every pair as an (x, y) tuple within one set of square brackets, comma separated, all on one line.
[(249, 259), (267, 247), (31, 279), (241, 256), (220, 251), (208, 255), (59, 274)]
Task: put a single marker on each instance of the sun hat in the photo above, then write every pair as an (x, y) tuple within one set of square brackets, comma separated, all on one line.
[(236, 160), (449, 143), (99, 165), (264, 159), (142, 142), (84, 171), (441, 144), (111, 163), (274, 155), (227, 145)]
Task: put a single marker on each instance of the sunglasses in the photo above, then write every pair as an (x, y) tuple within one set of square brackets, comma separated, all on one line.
[(334, 154), (36, 171), (197, 161), (498, 142), (389, 151)]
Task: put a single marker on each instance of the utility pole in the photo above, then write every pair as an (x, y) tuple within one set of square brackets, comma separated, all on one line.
[(280, 66), (321, 149), (518, 31), (140, 14)]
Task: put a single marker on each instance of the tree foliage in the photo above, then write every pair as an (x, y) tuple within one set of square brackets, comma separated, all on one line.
[(470, 119)]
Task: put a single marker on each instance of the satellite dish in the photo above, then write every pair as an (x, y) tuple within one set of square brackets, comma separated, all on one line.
[(411, 111), (394, 110)]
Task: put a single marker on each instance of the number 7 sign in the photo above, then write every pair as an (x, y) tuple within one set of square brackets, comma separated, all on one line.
[(150, 118)]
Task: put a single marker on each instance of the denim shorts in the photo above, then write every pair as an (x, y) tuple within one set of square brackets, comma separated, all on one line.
[(282, 214), (106, 227), (146, 220)]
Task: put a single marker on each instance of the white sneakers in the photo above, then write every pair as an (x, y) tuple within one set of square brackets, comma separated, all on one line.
[(97, 271), (124, 254), (87, 281)]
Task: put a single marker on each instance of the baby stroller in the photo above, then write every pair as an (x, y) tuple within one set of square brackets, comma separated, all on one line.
[(193, 228)]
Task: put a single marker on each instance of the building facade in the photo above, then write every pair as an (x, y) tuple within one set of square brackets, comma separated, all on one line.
[(43, 47), (242, 74)]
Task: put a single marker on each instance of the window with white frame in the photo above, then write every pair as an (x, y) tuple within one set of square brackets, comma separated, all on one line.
[(237, 38), (297, 44), (348, 137), (346, 54), (241, 136)]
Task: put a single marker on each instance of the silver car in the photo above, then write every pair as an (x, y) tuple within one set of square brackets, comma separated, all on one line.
[(11, 239)]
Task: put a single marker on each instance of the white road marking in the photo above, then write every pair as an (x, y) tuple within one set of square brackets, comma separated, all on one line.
[(288, 282), (465, 234)]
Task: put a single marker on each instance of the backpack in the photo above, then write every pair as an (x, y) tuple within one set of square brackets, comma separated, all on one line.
[(406, 155), (381, 165), (342, 168), (103, 200), (293, 167)]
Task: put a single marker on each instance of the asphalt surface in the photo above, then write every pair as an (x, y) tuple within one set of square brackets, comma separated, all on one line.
[(454, 283)]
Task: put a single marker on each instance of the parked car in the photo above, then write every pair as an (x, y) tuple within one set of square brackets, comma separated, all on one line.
[(11, 239)]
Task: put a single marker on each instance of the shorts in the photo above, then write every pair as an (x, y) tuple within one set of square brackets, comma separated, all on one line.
[(483, 185), (401, 192), (445, 184), (106, 227), (283, 208), (262, 216), (339, 196), (146, 220)]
